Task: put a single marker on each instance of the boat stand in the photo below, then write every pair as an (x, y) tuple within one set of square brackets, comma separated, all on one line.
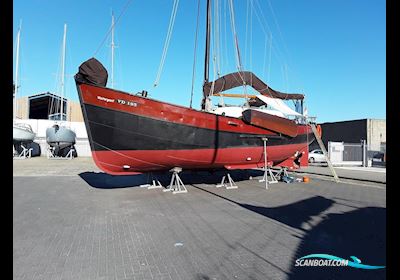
[(155, 183), (176, 185), (267, 170), (282, 172), (26, 153), (232, 184), (52, 155), (273, 179)]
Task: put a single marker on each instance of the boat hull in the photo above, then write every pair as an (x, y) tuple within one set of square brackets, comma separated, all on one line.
[(22, 134), (60, 136), (131, 134)]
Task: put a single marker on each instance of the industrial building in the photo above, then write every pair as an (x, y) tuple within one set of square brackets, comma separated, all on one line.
[(44, 106), (353, 131), (354, 141)]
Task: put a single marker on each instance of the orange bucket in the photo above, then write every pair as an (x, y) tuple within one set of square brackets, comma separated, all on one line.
[(306, 179)]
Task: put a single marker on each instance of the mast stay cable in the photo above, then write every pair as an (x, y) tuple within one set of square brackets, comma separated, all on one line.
[(167, 40), (236, 45)]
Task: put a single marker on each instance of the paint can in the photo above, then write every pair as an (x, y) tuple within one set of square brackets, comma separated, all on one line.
[(306, 179)]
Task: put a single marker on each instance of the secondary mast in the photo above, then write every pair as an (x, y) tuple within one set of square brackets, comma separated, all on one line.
[(63, 72), (16, 71), (112, 50)]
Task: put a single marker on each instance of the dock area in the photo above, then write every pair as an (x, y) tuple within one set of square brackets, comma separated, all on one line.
[(72, 221)]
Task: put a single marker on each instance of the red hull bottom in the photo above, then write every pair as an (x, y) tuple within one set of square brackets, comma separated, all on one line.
[(138, 161)]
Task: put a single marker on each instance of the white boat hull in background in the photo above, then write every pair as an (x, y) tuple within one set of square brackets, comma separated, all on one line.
[(23, 133)]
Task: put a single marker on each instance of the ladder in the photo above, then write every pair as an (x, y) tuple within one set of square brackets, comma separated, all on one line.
[(321, 145)]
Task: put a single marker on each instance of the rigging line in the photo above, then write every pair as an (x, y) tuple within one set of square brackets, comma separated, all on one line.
[(226, 61), (265, 57), (217, 37), (278, 27), (269, 57), (169, 31), (280, 33), (287, 77), (239, 62), (119, 58), (284, 77), (271, 49), (247, 26), (236, 43), (276, 51), (214, 38), (195, 51), (167, 40), (251, 40), (115, 23), (216, 48)]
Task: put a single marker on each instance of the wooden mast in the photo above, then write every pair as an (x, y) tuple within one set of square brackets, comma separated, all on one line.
[(207, 50)]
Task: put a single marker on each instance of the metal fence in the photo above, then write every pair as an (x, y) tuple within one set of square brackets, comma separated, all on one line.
[(360, 154), (341, 153), (377, 155)]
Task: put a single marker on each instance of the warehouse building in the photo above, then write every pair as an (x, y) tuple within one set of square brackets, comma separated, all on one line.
[(347, 139), (44, 106), (371, 130)]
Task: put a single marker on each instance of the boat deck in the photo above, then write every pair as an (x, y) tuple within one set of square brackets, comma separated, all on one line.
[(72, 221)]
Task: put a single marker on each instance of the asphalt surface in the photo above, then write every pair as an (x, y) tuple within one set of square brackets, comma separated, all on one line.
[(367, 174), (72, 221)]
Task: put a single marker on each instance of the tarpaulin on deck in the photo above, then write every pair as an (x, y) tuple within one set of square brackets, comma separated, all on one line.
[(238, 79)]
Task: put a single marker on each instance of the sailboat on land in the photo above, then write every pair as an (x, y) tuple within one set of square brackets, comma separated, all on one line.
[(132, 133), (58, 136), (22, 132)]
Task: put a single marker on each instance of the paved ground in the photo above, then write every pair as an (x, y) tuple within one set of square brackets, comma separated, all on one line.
[(96, 226), (371, 174), (41, 166)]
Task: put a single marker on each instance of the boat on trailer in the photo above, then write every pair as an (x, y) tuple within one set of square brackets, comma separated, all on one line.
[(132, 133)]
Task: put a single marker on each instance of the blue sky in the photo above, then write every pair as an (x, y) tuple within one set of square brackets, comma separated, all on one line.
[(333, 51)]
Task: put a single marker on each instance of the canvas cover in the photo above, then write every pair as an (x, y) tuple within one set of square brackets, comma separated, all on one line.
[(92, 72), (279, 105), (238, 79)]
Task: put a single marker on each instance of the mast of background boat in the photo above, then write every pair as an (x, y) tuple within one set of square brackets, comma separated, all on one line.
[(63, 72), (207, 50), (112, 50), (16, 72)]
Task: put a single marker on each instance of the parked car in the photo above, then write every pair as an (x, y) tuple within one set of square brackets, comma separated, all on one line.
[(316, 156)]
